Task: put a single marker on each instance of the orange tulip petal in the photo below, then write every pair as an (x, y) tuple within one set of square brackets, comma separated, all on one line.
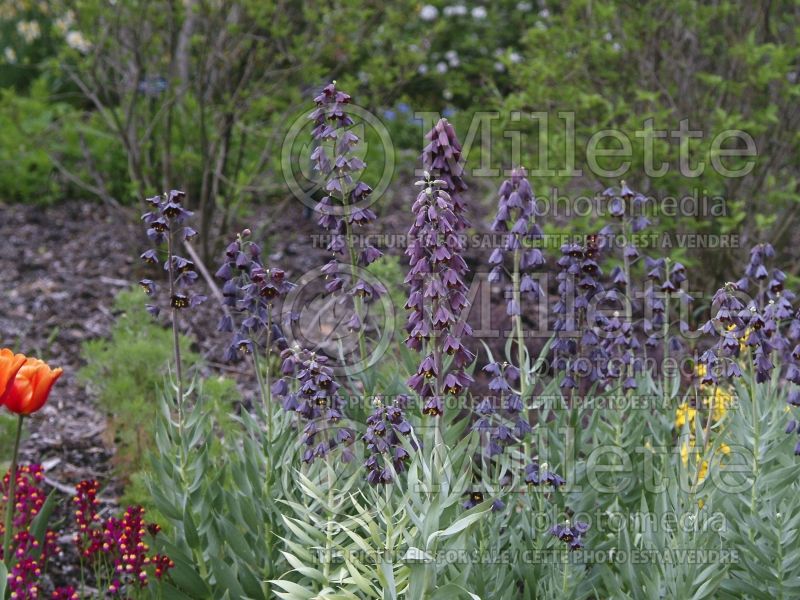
[(10, 365), (31, 387)]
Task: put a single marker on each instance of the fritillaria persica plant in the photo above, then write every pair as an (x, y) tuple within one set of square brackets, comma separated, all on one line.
[(434, 461)]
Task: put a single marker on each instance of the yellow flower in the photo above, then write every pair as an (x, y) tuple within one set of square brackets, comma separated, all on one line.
[(724, 448), (684, 414), (685, 452), (720, 402), (703, 471), (743, 340), (700, 369)]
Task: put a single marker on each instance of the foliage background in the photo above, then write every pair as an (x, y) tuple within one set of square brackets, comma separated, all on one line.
[(199, 94)]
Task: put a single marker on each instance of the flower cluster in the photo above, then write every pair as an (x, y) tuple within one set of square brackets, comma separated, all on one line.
[(29, 495), (620, 343), (577, 345), (765, 326), (251, 290), (501, 418), (87, 519), (768, 312), (571, 534), (728, 327), (28, 555), (756, 324), (437, 298), (716, 399), (315, 399), (345, 204), (700, 461), (165, 222), (665, 279), (386, 428), (117, 544), (442, 159), (516, 218)]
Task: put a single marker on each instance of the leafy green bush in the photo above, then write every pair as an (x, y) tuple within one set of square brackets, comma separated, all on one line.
[(628, 71), (26, 171)]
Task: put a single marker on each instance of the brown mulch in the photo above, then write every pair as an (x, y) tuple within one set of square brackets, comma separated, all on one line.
[(61, 267)]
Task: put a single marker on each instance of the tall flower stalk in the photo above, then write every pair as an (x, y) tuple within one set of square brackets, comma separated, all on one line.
[(437, 299), (577, 344), (251, 291), (620, 340), (516, 220), (166, 225), (345, 207)]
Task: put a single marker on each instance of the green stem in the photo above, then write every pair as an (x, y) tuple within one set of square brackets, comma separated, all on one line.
[(266, 399), (756, 445), (262, 391), (328, 558), (517, 325), (438, 445), (12, 490), (665, 334), (176, 342), (268, 375), (265, 389), (629, 293)]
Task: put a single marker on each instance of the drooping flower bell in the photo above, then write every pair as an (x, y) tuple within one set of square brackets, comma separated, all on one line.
[(571, 534), (29, 390)]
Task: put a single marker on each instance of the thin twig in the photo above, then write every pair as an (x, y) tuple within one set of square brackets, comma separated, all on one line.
[(212, 285)]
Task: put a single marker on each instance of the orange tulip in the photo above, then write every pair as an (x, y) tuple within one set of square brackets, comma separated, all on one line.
[(10, 364), (31, 387)]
